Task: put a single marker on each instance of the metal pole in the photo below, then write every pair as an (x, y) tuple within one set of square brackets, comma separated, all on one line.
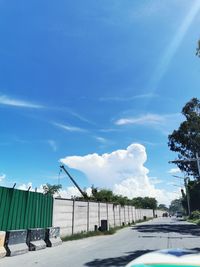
[(186, 190), (187, 194), (189, 160)]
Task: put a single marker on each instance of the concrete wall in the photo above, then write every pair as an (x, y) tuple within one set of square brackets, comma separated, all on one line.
[(81, 216)]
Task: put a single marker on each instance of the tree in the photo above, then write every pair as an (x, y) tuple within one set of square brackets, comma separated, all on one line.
[(194, 196), (162, 207), (198, 49), (103, 195), (138, 202), (150, 203), (51, 189), (145, 203), (176, 205), (186, 140)]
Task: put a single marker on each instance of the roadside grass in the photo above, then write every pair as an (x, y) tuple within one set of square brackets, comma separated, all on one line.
[(111, 231), (195, 221), (194, 217)]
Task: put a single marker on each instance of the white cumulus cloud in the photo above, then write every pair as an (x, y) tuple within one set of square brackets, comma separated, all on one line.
[(29, 186), (2, 177), (69, 192), (25, 187), (122, 170)]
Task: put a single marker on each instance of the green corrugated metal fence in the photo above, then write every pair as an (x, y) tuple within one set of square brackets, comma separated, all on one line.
[(23, 209)]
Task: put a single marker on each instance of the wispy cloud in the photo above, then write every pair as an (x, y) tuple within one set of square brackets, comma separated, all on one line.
[(101, 139), (162, 123), (8, 101), (174, 171), (69, 128), (52, 144), (109, 130), (148, 119), (147, 143), (80, 117), (126, 99)]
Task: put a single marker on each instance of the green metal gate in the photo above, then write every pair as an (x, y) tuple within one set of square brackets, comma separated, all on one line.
[(24, 209)]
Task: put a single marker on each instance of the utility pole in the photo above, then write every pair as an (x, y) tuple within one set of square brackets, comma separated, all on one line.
[(189, 160), (197, 159), (186, 190), (198, 163)]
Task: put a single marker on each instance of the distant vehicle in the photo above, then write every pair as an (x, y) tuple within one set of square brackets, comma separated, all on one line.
[(165, 214), (179, 214)]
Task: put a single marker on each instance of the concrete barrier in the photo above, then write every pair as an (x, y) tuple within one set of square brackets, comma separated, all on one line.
[(15, 242), (2, 241), (35, 239), (52, 237)]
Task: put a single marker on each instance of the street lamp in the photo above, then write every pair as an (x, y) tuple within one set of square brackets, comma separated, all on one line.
[(187, 191)]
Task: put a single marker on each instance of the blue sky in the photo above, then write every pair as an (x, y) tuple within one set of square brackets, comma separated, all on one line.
[(83, 77)]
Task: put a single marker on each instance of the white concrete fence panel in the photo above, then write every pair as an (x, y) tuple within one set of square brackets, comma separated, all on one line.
[(81, 216)]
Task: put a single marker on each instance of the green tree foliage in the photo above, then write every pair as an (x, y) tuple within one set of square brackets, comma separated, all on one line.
[(105, 195), (162, 207), (195, 215), (138, 202), (186, 140), (176, 205), (51, 189), (194, 196), (118, 199), (145, 203), (150, 202)]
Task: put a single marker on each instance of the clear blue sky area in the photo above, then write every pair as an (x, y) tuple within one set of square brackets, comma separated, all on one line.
[(80, 77)]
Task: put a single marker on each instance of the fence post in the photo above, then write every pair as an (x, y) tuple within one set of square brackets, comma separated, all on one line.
[(88, 216), (107, 215), (99, 214), (128, 214), (132, 213), (120, 221), (114, 215), (124, 214), (73, 216)]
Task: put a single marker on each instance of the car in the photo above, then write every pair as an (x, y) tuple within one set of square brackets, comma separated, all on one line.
[(179, 214), (168, 258)]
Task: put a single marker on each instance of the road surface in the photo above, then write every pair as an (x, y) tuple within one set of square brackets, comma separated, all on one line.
[(116, 250)]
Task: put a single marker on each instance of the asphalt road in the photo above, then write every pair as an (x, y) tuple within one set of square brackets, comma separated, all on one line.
[(116, 250)]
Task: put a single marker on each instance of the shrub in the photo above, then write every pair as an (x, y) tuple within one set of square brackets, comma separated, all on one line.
[(195, 215)]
